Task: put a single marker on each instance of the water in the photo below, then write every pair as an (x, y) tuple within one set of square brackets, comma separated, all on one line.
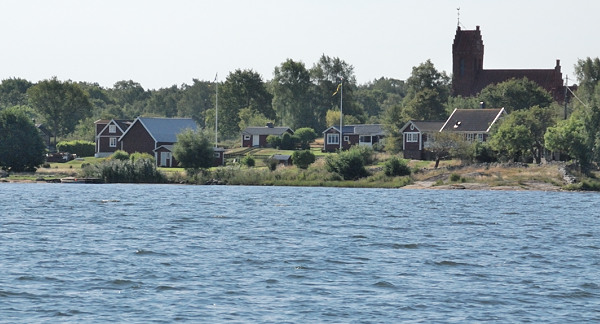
[(167, 253)]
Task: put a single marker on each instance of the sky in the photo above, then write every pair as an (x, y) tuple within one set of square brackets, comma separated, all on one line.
[(164, 43)]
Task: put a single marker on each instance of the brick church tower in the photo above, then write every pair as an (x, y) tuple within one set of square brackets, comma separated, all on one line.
[(469, 77), (467, 61)]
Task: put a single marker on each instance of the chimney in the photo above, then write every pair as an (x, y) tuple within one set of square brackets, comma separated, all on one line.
[(481, 104), (269, 125)]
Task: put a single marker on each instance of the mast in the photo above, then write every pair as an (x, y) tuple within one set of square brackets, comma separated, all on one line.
[(341, 112), (216, 110)]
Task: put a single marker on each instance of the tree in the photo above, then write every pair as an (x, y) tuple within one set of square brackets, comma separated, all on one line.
[(426, 76), (396, 167), (303, 159), (61, 104), (291, 88), (326, 75), (350, 164), (444, 145), (515, 94), (522, 134), (193, 150), (13, 92), (196, 99), (242, 89), (249, 117), (306, 135), (426, 104), (588, 74), (569, 136), (21, 146)]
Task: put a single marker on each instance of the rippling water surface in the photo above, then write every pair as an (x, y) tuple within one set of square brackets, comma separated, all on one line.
[(166, 253)]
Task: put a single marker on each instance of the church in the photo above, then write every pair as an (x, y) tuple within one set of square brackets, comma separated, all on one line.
[(469, 77)]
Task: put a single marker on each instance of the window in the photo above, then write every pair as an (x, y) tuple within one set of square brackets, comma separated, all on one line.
[(112, 129), (113, 142), (333, 138), (246, 137), (411, 137), (217, 155), (364, 139), (480, 137), (346, 138)]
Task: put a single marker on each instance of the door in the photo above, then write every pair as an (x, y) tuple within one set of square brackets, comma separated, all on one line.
[(255, 140), (165, 159)]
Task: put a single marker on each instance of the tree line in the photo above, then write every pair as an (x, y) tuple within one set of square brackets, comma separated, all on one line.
[(298, 96)]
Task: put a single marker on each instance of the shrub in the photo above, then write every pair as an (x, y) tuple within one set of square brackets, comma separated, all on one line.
[(455, 177), (248, 161), (274, 141), (137, 155), (81, 148), (305, 136), (396, 167), (119, 155), (272, 164), (303, 159), (288, 142), (349, 165), (125, 171)]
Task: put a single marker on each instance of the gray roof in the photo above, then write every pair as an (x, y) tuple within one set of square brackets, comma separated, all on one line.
[(366, 129), (426, 126), (472, 120), (166, 129), (281, 157), (267, 130)]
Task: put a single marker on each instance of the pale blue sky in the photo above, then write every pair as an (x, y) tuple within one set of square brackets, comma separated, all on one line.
[(162, 43)]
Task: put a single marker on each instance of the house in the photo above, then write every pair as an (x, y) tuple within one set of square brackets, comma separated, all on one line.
[(469, 77), (155, 136), (367, 134), (107, 135), (415, 136), (219, 156), (284, 159), (257, 136), (474, 124), (45, 133)]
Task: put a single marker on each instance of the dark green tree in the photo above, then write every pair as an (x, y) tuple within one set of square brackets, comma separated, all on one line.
[(521, 134), (588, 75), (303, 159), (21, 146), (515, 94), (61, 104), (326, 75), (570, 137), (305, 135), (196, 99), (291, 89), (193, 151), (242, 89), (129, 97), (13, 92)]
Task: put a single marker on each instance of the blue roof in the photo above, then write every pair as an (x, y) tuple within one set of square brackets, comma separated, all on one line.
[(166, 129)]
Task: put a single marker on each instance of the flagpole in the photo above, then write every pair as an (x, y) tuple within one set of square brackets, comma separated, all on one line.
[(216, 110), (341, 112)]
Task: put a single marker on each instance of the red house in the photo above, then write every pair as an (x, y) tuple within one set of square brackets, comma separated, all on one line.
[(415, 137), (107, 135), (369, 134), (155, 136), (474, 124), (257, 136)]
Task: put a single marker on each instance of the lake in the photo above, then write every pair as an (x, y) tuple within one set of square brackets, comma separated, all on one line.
[(174, 253)]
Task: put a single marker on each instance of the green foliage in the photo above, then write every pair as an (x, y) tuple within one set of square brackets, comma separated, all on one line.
[(521, 134), (484, 153), (272, 164), (193, 150), (291, 89), (62, 104), (305, 135), (455, 177), (350, 165), (21, 147), (248, 161), (288, 142), (13, 92), (119, 155), (395, 167), (588, 74), (569, 136), (125, 171), (515, 94), (274, 141), (140, 156), (80, 148), (249, 117), (303, 159)]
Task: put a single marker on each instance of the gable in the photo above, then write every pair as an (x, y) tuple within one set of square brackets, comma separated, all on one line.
[(277, 131)]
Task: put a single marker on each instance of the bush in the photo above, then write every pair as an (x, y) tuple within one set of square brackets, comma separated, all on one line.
[(288, 142), (305, 136), (349, 165), (303, 159), (80, 148), (248, 161), (274, 141), (272, 164), (137, 156), (125, 171), (396, 167), (119, 155)]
